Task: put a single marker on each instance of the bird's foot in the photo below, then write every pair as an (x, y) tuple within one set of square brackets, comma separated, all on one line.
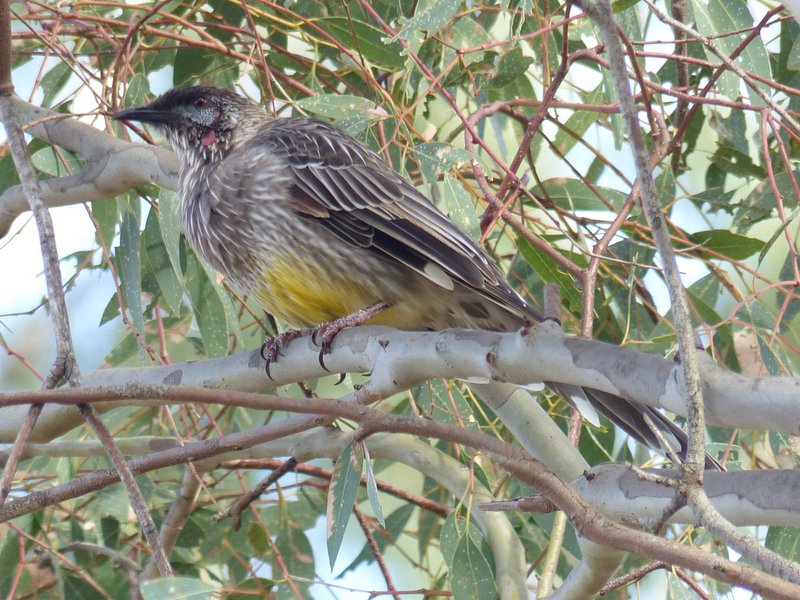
[(325, 332), (272, 346), (322, 335)]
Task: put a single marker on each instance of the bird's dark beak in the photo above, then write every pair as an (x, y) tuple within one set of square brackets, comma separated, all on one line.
[(145, 114)]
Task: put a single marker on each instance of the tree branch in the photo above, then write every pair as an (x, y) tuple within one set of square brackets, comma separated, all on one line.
[(587, 520), (112, 166), (401, 359)]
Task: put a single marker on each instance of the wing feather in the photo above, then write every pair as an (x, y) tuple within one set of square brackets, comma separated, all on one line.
[(352, 192)]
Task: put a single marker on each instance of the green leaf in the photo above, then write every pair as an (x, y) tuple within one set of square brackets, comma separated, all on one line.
[(191, 64), (395, 523), (438, 157), (443, 401), (257, 536), (54, 164), (137, 92), (179, 588), (170, 227), (295, 550), (731, 161), (578, 123), (351, 113), (471, 575), (726, 243), (363, 38), (209, 309), (124, 350), (756, 314), (768, 357), (678, 590), (717, 19), (337, 106), (112, 502), (777, 233), (54, 81), (793, 62), (9, 561), (426, 22), (250, 589), (106, 213), (372, 489), (451, 533), (111, 311), (453, 529), (617, 126), (665, 187), (458, 204), (156, 260), (620, 5), (549, 271), (341, 497), (8, 172), (130, 263), (785, 541), (512, 65), (573, 194)]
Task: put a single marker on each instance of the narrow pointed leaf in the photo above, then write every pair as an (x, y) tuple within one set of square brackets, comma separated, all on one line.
[(341, 496), (170, 227), (130, 264), (372, 489), (209, 309)]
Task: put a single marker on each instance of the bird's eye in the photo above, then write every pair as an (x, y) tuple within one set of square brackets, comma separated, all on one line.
[(200, 102)]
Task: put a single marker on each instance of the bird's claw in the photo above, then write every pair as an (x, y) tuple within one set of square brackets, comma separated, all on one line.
[(272, 346), (323, 336)]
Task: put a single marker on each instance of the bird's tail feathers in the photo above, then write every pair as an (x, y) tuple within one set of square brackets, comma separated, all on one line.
[(630, 417)]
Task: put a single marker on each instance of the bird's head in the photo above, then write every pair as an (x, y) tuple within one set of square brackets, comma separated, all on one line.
[(195, 120)]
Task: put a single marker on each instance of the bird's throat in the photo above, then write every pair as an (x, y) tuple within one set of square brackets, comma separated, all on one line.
[(209, 137)]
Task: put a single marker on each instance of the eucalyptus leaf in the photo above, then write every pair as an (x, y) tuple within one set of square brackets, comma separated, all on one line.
[(342, 495)]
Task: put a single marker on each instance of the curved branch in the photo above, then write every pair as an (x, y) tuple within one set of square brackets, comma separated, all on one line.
[(401, 359), (112, 166)]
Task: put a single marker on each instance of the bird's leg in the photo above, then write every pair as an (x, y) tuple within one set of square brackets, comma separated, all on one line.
[(322, 334), (325, 332)]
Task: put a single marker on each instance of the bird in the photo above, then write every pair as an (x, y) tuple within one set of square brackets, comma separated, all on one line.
[(324, 234)]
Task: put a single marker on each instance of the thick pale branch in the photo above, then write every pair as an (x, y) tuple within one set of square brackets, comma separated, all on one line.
[(399, 360), (533, 429), (112, 166), (597, 565), (745, 498)]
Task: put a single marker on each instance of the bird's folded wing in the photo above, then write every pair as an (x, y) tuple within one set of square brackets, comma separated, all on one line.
[(353, 193)]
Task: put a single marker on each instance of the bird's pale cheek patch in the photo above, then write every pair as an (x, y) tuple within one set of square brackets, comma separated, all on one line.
[(209, 137)]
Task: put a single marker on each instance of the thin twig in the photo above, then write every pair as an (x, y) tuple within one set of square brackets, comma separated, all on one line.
[(15, 454), (134, 493), (176, 517), (65, 366), (439, 508), (236, 509), (630, 577), (376, 551), (550, 563), (727, 60)]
